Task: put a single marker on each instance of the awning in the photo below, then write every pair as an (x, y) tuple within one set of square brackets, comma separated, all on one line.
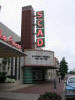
[(7, 50)]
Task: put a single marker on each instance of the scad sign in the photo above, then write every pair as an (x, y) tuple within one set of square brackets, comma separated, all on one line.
[(40, 36)]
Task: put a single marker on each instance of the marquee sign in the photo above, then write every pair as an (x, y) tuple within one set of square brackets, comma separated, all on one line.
[(9, 40), (40, 36)]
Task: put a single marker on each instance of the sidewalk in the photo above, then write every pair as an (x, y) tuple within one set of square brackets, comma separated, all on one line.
[(42, 88), (17, 96), (32, 92)]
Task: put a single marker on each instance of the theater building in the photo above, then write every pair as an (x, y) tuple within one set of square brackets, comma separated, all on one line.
[(39, 66), (32, 66), (27, 64)]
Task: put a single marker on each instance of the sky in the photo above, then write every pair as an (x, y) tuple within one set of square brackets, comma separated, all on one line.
[(59, 24)]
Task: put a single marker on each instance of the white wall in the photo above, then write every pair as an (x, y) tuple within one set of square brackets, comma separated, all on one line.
[(50, 74), (37, 57)]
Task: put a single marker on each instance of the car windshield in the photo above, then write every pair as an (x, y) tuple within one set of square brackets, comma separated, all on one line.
[(71, 80)]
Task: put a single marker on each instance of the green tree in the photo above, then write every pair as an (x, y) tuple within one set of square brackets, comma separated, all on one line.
[(63, 68)]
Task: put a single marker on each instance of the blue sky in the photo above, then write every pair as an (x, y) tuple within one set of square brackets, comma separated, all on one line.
[(59, 23)]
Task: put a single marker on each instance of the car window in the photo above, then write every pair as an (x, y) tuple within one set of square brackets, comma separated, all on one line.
[(71, 80)]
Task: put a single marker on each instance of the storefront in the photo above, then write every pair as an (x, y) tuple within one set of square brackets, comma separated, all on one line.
[(39, 66), (10, 50)]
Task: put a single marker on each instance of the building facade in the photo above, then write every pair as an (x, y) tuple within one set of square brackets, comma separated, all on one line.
[(28, 28), (39, 66), (32, 65), (11, 60)]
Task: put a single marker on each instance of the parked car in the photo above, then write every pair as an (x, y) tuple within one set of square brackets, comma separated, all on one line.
[(70, 88)]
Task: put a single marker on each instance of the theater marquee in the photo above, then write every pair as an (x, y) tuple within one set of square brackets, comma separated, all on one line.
[(40, 36)]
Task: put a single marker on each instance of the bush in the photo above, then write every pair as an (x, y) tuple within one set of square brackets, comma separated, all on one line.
[(9, 80), (49, 96), (12, 77), (2, 77)]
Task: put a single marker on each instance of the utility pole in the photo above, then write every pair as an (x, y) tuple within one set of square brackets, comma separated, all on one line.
[(0, 7)]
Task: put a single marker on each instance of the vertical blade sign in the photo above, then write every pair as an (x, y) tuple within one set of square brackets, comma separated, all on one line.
[(40, 36)]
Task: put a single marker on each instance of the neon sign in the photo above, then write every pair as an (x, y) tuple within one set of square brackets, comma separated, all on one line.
[(40, 32), (40, 42), (40, 36), (40, 23), (9, 40), (40, 14)]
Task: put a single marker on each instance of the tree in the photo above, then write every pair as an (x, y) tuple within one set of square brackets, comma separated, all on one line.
[(63, 68)]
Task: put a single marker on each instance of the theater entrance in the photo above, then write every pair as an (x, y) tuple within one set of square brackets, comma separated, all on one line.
[(37, 75), (33, 75)]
